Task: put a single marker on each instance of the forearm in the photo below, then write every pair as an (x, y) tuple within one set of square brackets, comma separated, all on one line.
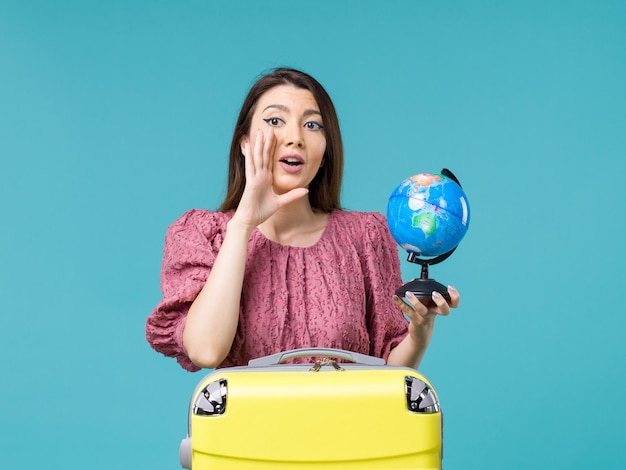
[(212, 320), (411, 350)]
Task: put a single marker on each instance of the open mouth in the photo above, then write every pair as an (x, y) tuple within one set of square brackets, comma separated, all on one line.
[(292, 161)]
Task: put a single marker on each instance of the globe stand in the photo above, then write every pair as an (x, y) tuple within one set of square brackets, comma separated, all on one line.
[(424, 287)]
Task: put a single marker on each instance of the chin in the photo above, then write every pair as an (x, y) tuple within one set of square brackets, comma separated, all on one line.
[(286, 186)]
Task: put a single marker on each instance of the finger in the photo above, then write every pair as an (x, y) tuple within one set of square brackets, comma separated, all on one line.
[(416, 313), (411, 305), (257, 155), (248, 160), (402, 305), (292, 195), (441, 306), (268, 148), (455, 297)]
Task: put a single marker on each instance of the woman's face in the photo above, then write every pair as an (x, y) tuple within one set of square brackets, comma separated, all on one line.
[(294, 117)]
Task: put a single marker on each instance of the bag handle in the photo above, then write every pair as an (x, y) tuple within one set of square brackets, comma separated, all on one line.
[(316, 352)]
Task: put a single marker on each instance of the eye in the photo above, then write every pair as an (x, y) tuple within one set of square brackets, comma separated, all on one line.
[(274, 121), (313, 125)]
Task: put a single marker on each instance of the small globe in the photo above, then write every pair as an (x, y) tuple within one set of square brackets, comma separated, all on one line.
[(428, 214)]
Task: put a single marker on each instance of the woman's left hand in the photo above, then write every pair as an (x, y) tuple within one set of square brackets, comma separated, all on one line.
[(423, 317)]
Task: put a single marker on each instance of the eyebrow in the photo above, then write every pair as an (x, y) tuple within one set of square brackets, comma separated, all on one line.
[(282, 107)]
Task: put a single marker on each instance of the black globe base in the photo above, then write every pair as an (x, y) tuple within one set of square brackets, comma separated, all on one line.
[(424, 286), (423, 289)]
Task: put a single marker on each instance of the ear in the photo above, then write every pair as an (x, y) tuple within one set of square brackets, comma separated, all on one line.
[(243, 143)]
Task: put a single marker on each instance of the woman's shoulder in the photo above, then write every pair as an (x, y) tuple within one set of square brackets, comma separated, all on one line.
[(199, 222), (203, 216)]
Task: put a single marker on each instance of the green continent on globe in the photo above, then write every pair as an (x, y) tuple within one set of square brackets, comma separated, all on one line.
[(425, 221)]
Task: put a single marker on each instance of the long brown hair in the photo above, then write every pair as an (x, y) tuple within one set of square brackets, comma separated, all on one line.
[(325, 189)]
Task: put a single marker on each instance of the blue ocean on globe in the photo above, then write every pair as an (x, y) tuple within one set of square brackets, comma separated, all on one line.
[(428, 214)]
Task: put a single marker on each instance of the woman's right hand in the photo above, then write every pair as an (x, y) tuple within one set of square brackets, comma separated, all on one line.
[(259, 200)]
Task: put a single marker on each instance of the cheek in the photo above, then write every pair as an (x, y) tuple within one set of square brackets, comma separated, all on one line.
[(320, 148)]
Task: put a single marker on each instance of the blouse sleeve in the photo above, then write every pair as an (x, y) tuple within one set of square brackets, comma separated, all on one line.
[(191, 245), (386, 323)]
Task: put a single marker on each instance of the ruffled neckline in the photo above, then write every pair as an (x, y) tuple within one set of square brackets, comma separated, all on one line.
[(325, 233)]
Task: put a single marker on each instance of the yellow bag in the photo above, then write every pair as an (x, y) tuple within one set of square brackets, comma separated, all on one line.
[(323, 415)]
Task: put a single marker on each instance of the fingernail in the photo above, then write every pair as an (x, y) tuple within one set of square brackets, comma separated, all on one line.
[(409, 295), (436, 295), (452, 288), (395, 297)]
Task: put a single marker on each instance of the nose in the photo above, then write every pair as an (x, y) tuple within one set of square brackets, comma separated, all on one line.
[(293, 135)]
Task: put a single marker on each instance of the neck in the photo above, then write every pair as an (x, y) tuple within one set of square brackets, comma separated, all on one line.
[(297, 214), (296, 224)]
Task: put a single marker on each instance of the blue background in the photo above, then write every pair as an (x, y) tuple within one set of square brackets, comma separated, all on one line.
[(116, 117)]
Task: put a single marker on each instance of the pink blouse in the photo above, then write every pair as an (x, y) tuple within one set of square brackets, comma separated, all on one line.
[(334, 294)]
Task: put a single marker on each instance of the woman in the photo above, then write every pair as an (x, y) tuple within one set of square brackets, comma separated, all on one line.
[(280, 265)]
